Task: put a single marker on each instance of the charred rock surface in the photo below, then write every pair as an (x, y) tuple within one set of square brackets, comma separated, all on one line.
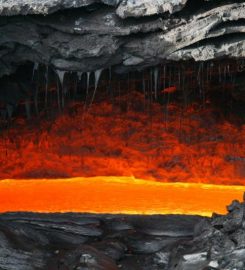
[(218, 243), (85, 241), (87, 35), (89, 241)]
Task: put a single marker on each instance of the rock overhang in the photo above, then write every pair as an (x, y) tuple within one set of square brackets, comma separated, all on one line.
[(87, 35)]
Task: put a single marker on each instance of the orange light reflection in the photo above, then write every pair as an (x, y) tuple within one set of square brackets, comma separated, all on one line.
[(115, 195)]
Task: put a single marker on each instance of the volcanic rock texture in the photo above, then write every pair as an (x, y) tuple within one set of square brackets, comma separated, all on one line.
[(87, 35), (111, 242)]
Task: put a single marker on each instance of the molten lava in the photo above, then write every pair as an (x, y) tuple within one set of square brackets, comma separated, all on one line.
[(131, 136), (115, 195), (128, 136)]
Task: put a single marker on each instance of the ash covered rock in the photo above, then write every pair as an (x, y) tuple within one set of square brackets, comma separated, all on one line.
[(218, 243), (17, 7), (31, 241), (87, 35), (126, 8), (139, 8), (47, 241)]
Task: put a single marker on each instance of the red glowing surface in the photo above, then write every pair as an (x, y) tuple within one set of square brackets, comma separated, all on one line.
[(130, 138), (115, 195)]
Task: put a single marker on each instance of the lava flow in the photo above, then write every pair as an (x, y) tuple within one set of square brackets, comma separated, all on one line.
[(127, 138), (115, 195), (192, 137)]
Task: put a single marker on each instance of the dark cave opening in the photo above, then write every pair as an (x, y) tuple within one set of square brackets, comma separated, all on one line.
[(220, 83)]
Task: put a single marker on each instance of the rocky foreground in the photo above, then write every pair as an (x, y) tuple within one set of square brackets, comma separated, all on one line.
[(89, 241)]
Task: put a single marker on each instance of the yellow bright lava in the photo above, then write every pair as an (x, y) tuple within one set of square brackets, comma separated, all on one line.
[(115, 195)]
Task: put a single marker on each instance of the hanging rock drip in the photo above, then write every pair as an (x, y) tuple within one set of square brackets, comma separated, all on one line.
[(79, 75), (97, 75), (88, 81), (35, 69), (156, 77), (60, 88)]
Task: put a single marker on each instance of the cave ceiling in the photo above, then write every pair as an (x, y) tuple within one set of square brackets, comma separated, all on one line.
[(88, 35)]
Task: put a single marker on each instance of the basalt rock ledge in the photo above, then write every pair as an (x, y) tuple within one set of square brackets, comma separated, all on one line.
[(66, 241), (88, 35)]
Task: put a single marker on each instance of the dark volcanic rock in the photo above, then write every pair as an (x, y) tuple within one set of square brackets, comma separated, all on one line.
[(170, 226), (218, 243), (31, 241), (16, 258), (143, 262), (17, 7), (125, 8), (112, 248), (141, 244), (85, 257), (118, 225), (87, 35), (84, 241)]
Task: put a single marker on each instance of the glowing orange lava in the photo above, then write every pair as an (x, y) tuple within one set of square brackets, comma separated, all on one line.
[(115, 195), (130, 137)]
